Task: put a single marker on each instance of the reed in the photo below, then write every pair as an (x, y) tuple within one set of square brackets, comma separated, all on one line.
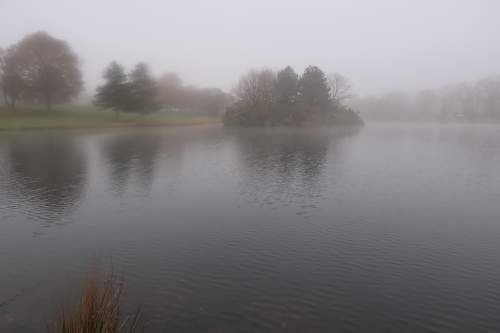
[(97, 308)]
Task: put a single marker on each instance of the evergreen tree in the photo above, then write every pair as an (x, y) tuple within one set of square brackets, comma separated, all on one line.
[(313, 87), (114, 93), (143, 91), (287, 85)]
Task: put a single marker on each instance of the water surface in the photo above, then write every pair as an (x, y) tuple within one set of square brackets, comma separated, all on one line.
[(392, 228)]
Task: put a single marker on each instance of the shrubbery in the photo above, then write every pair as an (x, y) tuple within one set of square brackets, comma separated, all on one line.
[(293, 115), (266, 98)]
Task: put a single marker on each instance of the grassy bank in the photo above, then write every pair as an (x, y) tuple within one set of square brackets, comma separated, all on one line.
[(76, 116)]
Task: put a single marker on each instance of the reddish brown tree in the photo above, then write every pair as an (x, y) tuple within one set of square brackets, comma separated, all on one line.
[(51, 68), (11, 81), (171, 91)]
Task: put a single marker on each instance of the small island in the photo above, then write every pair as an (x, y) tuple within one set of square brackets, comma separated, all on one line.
[(283, 99)]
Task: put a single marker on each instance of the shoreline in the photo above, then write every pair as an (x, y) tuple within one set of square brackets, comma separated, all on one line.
[(110, 126), (73, 117)]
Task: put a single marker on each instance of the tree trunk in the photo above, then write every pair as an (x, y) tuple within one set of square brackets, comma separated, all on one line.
[(7, 100), (47, 100), (13, 102)]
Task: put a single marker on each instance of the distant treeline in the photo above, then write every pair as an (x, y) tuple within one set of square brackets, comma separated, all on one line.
[(177, 97), (41, 69), (140, 92), (265, 97), (471, 101), (44, 70)]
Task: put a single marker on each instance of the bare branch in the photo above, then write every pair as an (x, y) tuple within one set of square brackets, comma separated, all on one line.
[(340, 87), (257, 87)]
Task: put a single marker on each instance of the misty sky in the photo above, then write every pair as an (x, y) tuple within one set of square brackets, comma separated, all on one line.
[(380, 45)]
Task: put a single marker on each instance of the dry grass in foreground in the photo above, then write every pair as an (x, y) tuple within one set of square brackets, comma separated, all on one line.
[(97, 309)]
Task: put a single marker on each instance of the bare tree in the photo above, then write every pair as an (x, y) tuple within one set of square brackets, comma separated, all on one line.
[(489, 90), (51, 67), (11, 80), (257, 87), (340, 87)]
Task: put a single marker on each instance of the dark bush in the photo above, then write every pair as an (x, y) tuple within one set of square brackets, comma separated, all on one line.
[(290, 115)]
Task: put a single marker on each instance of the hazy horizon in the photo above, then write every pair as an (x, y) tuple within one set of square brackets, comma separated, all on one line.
[(380, 47)]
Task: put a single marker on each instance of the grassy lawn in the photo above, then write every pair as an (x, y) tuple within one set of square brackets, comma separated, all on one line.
[(78, 116)]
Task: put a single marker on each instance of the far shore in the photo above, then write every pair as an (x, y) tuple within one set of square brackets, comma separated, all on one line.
[(68, 117), (438, 120)]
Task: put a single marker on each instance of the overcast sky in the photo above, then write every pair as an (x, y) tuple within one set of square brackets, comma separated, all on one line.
[(380, 45)]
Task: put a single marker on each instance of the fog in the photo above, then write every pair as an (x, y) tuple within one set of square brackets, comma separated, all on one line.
[(250, 166), (380, 46)]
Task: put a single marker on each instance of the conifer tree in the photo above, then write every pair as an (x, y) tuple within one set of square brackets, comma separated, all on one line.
[(143, 91), (114, 93), (313, 87), (286, 85)]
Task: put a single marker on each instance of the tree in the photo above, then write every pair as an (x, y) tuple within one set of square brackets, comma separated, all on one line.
[(171, 91), (114, 93), (11, 80), (143, 91), (313, 87), (340, 87), (287, 85), (29, 96), (489, 90), (257, 87), (51, 68), (192, 98), (267, 99), (214, 100)]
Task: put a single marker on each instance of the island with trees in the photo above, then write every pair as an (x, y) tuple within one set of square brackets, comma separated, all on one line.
[(266, 98)]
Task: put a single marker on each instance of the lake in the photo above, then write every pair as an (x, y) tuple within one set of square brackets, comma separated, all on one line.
[(389, 228)]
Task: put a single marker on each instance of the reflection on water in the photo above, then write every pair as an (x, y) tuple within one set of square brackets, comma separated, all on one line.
[(131, 156), (283, 165), (48, 172), (393, 228)]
